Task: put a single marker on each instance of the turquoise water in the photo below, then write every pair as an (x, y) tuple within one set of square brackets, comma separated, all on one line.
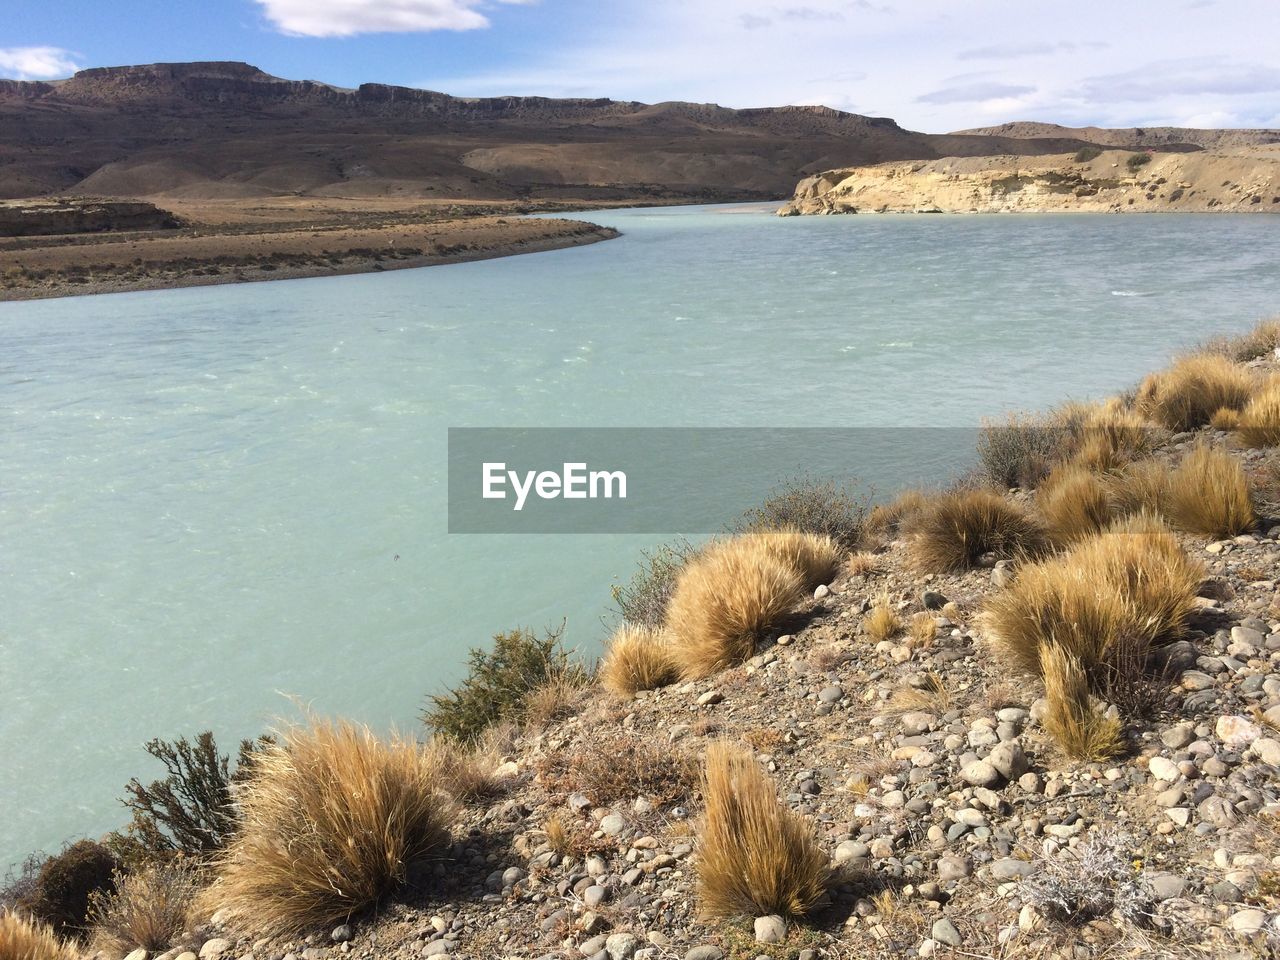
[(216, 497)]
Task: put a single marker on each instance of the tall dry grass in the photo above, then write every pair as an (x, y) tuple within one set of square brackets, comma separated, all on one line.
[(332, 820), (1188, 394), (1261, 341), (1132, 584), (1076, 725), (755, 856), (882, 621), (886, 519), (816, 557), (469, 771), (955, 529), (1209, 494), (1258, 424), (1112, 435), (726, 600), (152, 909), (22, 939), (638, 658), (1075, 504), (1142, 486)]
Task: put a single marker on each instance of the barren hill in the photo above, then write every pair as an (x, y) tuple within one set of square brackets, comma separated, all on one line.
[(1162, 138), (229, 130)]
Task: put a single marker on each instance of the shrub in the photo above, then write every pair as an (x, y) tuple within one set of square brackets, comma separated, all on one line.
[(638, 658), (1209, 494), (1085, 154), (754, 855), (1188, 394), (924, 629), (863, 564), (190, 812), (1141, 486), (500, 682), (23, 939), (1261, 341), (332, 818), (1258, 424), (554, 699), (815, 557), (1074, 503), (1093, 879), (1136, 161), (1111, 435), (60, 892), (151, 909), (881, 622), (955, 529), (465, 771), (643, 600), (821, 507), (1080, 730), (1020, 451), (725, 601), (1132, 585), (619, 767)]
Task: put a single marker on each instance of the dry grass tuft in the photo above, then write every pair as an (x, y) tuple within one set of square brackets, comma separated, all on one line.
[(1140, 487), (755, 856), (621, 767), (885, 520), (1226, 419), (21, 939), (467, 772), (1261, 341), (1188, 394), (1078, 728), (1258, 424), (332, 820), (923, 629), (638, 658), (151, 910), (882, 622), (1112, 435), (953, 611), (1074, 503), (931, 695), (863, 564), (1209, 494), (955, 529), (815, 557), (1130, 585), (555, 698), (725, 601)]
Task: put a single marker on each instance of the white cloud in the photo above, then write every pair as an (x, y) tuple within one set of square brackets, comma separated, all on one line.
[(345, 18), (900, 61), (37, 63)]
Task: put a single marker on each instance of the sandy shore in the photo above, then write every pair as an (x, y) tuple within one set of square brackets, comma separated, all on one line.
[(236, 242)]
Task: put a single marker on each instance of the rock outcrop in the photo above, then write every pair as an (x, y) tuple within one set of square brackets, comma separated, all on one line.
[(31, 218), (1113, 181)]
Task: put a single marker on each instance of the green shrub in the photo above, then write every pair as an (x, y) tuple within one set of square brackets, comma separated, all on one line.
[(642, 601), (59, 892), (1137, 161), (809, 505), (1085, 154), (189, 812), (500, 682)]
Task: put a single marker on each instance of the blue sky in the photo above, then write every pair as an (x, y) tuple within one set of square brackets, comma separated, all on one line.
[(929, 64)]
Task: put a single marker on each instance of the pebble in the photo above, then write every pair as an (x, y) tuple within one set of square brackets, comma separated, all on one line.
[(613, 824), (342, 934), (704, 952), (1236, 732), (1248, 922), (944, 931), (1008, 759), (215, 948), (980, 773), (621, 946), (1009, 868), (1163, 769)]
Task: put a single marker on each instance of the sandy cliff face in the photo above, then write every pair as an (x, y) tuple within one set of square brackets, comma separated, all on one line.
[(1243, 179)]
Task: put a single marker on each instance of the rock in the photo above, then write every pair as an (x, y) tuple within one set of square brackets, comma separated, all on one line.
[(1267, 750), (139, 954), (831, 694), (881, 848), (770, 929), (343, 933), (1175, 738), (1008, 759), (980, 773), (933, 600), (510, 877), (215, 948), (613, 824), (1237, 732), (1029, 919), (917, 722), (1166, 886), (621, 946), (579, 802), (593, 896), (821, 591), (710, 697), (1248, 922), (1012, 869), (953, 867), (1196, 680), (1179, 815), (944, 931), (1163, 769), (704, 952), (439, 948), (1002, 574), (851, 850)]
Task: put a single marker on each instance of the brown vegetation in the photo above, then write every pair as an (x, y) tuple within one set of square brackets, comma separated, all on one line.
[(1209, 494), (638, 658), (1188, 394), (22, 939), (955, 529), (151, 909)]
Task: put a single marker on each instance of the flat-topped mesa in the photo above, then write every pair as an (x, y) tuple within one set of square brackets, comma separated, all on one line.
[(1163, 138), (1112, 181)]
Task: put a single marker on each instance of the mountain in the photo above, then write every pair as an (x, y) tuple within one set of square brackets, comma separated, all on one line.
[(229, 130), (1162, 138)]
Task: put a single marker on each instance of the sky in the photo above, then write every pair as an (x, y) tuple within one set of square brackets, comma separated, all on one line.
[(932, 65)]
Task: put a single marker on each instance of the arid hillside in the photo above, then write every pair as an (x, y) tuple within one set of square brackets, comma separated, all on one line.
[(1161, 138), (230, 131)]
